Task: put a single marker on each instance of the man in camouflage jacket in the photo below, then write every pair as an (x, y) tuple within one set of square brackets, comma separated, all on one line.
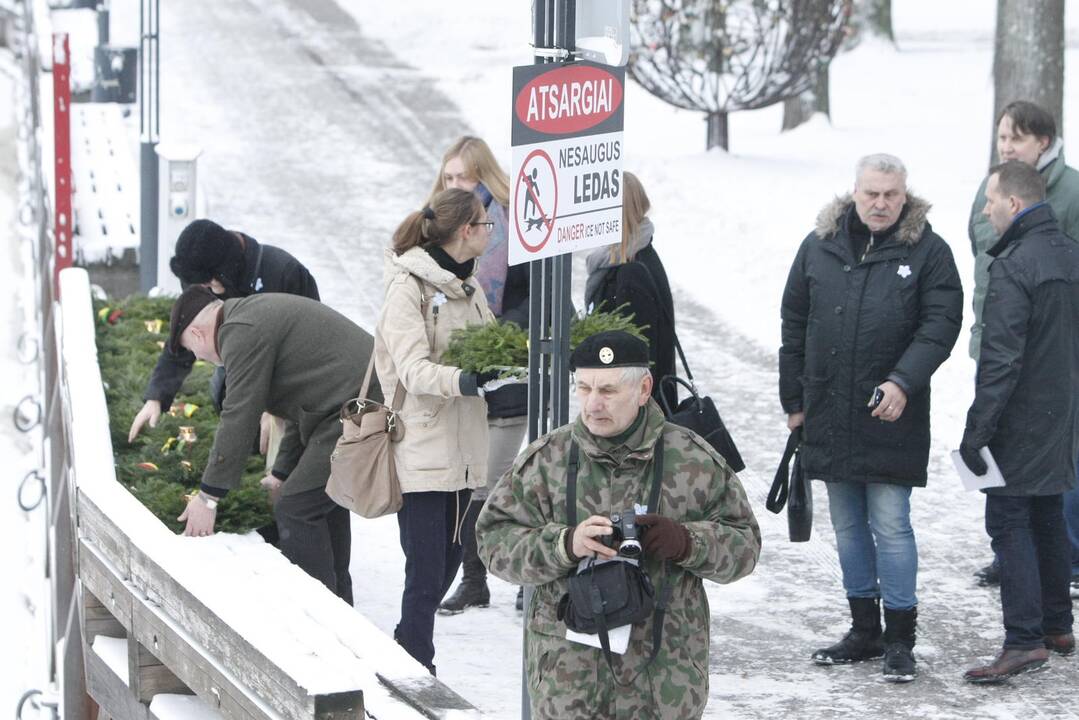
[(704, 527)]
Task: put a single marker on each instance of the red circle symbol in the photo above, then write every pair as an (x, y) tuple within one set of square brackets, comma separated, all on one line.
[(528, 184)]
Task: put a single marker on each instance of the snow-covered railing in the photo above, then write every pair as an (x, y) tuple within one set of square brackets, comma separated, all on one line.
[(226, 618)]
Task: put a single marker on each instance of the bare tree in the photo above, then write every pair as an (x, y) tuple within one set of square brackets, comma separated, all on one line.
[(717, 56), (1028, 58), (878, 17)]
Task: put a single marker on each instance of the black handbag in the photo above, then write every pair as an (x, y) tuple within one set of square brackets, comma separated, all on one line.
[(608, 595), (696, 413), (792, 488), (700, 415)]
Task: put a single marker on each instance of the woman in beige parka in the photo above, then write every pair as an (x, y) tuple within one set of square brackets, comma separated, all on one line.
[(430, 292)]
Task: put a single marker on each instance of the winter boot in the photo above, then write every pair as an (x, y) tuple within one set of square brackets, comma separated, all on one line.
[(988, 576), (862, 642), (472, 591), (899, 633)]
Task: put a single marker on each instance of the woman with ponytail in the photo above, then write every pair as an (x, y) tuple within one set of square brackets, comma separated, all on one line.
[(470, 165), (430, 292)]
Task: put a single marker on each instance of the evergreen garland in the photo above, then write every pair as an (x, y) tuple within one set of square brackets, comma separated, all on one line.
[(504, 345), (160, 468)]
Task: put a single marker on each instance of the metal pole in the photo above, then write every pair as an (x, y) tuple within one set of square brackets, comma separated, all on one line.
[(103, 22), (549, 310), (149, 135)]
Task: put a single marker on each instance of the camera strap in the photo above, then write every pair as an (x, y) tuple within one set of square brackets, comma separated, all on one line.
[(596, 597)]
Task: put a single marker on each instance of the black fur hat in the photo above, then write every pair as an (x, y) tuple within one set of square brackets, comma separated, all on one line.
[(205, 251)]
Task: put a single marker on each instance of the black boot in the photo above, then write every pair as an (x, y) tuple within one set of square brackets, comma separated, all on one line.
[(988, 576), (900, 627), (862, 642), (472, 592)]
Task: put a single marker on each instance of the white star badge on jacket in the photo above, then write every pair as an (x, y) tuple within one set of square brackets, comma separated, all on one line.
[(439, 299), (903, 271)]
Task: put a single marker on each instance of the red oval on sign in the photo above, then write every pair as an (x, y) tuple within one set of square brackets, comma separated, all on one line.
[(568, 100)]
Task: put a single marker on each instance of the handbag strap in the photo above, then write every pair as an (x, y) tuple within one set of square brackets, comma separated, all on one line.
[(596, 606), (777, 495), (668, 318), (573, 466), (399, 391)]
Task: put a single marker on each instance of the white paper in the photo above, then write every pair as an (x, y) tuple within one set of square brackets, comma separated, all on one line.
[(991, 479), (617, 637)]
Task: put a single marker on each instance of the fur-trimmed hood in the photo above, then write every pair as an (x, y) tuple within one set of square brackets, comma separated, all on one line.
[(911, 226)]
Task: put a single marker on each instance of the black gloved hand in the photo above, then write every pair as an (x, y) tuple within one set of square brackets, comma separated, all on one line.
[(471, 382), (972, 459), (665, 539)]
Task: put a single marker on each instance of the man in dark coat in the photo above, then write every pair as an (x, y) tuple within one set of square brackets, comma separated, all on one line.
[(872, 307), (1025, 411), (231, 264), (296, 359)]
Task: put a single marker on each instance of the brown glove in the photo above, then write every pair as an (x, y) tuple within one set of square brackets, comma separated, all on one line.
[(665, 539)]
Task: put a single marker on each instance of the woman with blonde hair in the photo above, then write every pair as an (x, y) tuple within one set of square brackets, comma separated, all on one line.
[(630, 276), (470, 165), (430, 292)]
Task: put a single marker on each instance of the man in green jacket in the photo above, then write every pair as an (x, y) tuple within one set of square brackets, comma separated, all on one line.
[(1028, 133), (296, 359), (703, 527)]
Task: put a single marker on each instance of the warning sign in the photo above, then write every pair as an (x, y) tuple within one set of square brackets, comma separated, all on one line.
[(566, 179)]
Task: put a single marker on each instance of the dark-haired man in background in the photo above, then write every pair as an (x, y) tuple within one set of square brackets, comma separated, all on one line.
[(1026, 412), (231, 264), (1026, 132)]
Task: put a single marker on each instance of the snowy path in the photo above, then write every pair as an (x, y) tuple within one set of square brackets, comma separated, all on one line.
[(317, 140)]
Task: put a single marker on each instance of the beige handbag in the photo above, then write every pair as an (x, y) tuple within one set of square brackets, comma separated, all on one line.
[(363, 477)]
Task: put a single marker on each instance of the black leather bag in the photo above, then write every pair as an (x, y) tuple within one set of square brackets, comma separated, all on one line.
[(700, 415), (616, 592), (697, 413), (791, 488)]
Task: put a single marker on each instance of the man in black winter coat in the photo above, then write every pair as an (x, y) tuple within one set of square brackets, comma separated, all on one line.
[(1026, 412), (872, 307), (231, 264)]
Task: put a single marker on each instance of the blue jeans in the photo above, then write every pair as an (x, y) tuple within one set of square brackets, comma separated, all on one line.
[(1030, 540), (1071, 522), (877, 551)]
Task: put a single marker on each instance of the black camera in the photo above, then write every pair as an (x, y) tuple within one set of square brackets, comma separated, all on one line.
[(626, 535)]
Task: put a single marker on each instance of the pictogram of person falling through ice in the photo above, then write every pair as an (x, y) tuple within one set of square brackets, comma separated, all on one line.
[(531, 194)]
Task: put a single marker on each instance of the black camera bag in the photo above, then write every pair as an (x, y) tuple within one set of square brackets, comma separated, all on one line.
[(618, 592), (609, 595)]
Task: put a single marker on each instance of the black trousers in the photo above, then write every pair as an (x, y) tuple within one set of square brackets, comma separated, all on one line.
[(1035, 566), (316, 535), (429, 523)]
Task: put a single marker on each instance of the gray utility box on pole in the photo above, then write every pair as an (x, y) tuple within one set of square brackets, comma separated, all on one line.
[(602, 31), (177, 185)]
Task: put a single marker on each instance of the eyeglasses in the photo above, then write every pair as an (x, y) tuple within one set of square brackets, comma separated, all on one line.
[(486, 223)]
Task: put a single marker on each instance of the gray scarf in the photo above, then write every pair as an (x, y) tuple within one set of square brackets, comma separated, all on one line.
[(599, 261)]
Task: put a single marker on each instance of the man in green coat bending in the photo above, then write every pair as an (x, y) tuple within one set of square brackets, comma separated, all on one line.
[(296, 359), (702, 528)]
